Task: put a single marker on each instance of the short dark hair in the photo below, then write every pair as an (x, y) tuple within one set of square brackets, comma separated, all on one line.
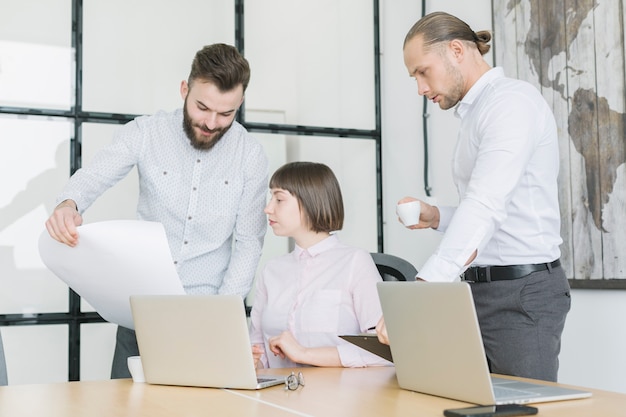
[(221, 65), (317, 190), (439, 27)]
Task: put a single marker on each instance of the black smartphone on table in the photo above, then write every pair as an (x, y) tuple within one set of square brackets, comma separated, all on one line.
[(491, 411)]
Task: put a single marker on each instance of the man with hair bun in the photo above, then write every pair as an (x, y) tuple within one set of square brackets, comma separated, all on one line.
[(504, 236)]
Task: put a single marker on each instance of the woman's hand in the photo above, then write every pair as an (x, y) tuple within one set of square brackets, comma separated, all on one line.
[(381, 331), (257, 352), (285, 345)]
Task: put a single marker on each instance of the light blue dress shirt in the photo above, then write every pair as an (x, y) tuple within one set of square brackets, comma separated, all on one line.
[(209, 202)]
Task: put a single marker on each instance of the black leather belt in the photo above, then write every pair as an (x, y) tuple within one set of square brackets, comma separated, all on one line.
[(500, 273)]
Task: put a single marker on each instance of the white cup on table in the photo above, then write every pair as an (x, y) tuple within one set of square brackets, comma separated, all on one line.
[(136, 368)]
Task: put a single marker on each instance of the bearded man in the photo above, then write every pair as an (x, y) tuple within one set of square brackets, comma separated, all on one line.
[(201, 175)]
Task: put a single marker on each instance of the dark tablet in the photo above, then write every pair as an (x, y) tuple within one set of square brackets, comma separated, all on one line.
[(370, 343)]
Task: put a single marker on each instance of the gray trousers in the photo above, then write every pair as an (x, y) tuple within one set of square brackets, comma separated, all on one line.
[(125, 346), (521, 322)]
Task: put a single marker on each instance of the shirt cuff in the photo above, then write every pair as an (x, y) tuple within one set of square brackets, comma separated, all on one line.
[(437, 269), (445, 216), (75, 198)]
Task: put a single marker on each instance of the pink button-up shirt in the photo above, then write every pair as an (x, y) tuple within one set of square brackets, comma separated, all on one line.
[(318, 294)]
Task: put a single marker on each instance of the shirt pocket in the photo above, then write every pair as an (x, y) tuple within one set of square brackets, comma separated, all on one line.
[(320, 313), (165, 182)]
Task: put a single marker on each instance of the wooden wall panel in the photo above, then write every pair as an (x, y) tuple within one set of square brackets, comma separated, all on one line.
[(573, 51)]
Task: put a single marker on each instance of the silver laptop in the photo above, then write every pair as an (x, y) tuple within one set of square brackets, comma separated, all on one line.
[(196, 340), (437, 347)]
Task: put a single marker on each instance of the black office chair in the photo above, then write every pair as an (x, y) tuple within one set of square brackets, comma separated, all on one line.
[(394, 268)]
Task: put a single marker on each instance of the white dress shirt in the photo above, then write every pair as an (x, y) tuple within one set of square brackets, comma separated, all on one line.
[(505, 167), (318, 294), (207, 201)]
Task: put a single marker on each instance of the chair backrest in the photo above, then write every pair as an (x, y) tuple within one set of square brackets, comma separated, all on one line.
[(394, 268), (3, 365)]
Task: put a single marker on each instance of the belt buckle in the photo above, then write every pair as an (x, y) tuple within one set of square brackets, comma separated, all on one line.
[(477, 274), (468, 275)]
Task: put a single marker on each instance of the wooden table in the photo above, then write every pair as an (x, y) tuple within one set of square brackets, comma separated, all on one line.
[(328, 392), (375, 392)]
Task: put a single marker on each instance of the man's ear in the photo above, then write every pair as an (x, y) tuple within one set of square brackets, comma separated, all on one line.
[(184, 89), (457, 48)]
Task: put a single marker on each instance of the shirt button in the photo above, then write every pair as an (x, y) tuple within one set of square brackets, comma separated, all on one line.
[(189, 218), (194, 188), (185, 242), (164, 172), (197, 160), (175, 262)]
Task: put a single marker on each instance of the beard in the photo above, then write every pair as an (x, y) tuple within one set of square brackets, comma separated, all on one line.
[(455, 94), (199, 141)]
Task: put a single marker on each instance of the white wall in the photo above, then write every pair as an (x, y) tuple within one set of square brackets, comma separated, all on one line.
[(594, 340)]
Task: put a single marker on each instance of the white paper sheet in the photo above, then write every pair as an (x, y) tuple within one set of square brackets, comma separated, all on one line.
[(112, 261)]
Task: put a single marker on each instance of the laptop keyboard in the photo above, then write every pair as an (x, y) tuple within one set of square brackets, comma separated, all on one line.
[(502, 392)]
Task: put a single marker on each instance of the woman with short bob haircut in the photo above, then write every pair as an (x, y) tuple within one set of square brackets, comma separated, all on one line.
[(322, 289)]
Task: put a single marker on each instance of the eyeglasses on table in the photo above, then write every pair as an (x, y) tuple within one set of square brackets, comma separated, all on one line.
[(293, 381)]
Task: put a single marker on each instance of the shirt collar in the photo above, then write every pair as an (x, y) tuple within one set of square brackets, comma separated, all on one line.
[(322, 246), (476, 90)]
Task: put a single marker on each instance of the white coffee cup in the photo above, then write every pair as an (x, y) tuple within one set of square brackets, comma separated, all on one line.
[(409, 212), (136, 368)]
